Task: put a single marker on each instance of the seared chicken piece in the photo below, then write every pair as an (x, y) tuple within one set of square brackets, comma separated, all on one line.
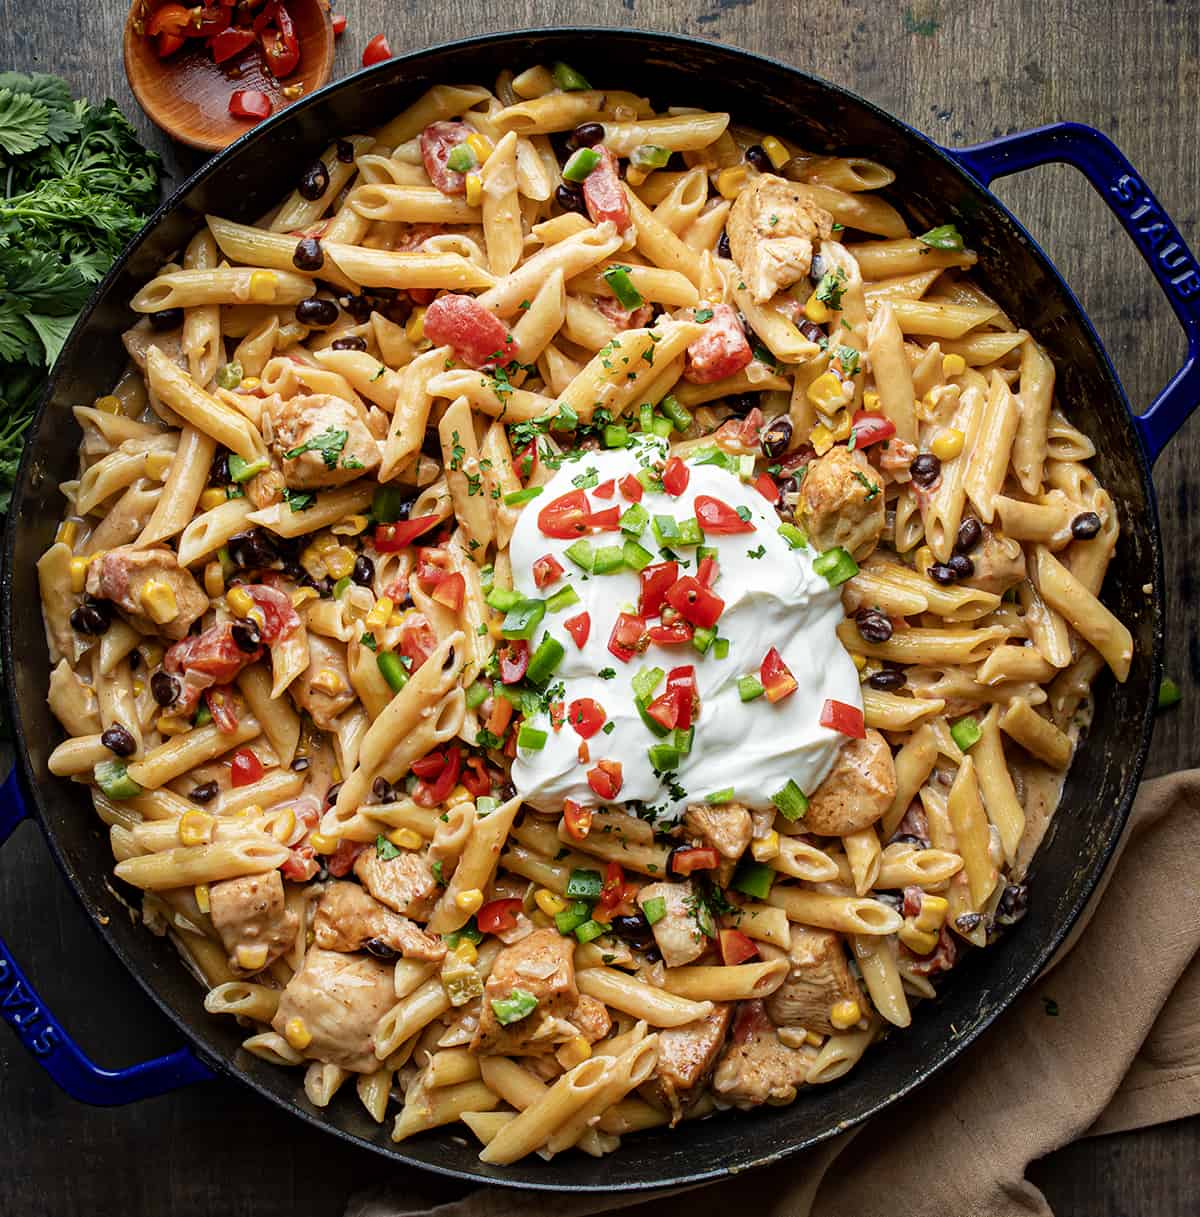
[(858, 790), (405, 883), (321, 440), (727, 829), (324, 688), (999, 563), (678, 934), (686, 1056), (349, 918), (249, 913), (756, 1066), (150, 587), (841, 502), (819, 978)]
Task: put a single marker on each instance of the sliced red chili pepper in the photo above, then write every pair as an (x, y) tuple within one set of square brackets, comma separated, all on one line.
[(498, 916), (513, 655), (868, 429), (546, 570), (249, 103), (695, 603), (579, 628), (245, 768), (605, 490), (586, 716), (664, 709), (675, 477), (657, 579), (608, 520), (681, 684), (389, 538), (339, 24), (430, 794), (476, 778), (566, 516), (719, 518), (838, 716), (708, 571), (765, 485), (476, 336), (692, 858), (776, 677), (377, 50), (670, 635), (626, 638), (605, 779), (578, 820), (631, 488), (736, 948), (230, 42), (281, 46)]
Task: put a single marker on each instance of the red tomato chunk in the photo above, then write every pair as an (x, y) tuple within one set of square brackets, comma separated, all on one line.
[(438, 140), (476, 336), (604, 193), (720, 351)]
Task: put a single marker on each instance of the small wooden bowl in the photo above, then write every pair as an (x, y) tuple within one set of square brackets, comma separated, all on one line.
[(187, 94)]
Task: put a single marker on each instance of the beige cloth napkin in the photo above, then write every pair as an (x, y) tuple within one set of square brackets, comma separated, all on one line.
[(1122, 1052)]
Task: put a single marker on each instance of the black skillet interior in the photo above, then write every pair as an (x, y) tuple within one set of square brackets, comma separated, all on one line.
[(931, 190)]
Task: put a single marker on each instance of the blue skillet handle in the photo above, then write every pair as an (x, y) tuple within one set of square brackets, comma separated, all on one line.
[(53, 1048), (1142, 216)]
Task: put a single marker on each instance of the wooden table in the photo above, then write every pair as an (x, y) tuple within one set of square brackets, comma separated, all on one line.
[(961, 72)]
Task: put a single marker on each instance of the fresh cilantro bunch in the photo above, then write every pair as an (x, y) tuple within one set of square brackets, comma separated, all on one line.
[(75, 188)]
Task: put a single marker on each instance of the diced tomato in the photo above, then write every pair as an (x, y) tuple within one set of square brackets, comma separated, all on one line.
[(670, 635), (720, 351), (389, 538), (765, 485), (708, 571), (438, 140), (558, 715), (280, 619), (497, 916), (213, 654), (476, 778), (579, 628), (376, 51), (657, 579), (631, 488), (223, 708), (546, 570), (838, 716), (500, 716), (212, 20), (692, 858), (605, 490), (776, 677), (681, 684), (565, 517), (626, 638), (695, 603), (169, 19), (165, 45), (431, 793), (741, 435), (605, 779), (577, 819), (230, 42), (513, 655), (281, 46), (675, 477), (248, 103), (719, 518), (339, 24), (417, 639), (664, 709), (604, 194), (615, 892), (526, 461), (477, 336), (301, 864), (245, 768), (341, 861), (586, 716), (868, 429), (451, 590), (736, 948), (608, 520), (430, 765), (619, 316)]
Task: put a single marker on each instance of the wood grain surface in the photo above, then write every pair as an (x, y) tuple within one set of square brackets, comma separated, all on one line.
[(960, 70)]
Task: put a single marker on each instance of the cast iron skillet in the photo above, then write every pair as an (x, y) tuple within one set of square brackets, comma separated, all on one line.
[(934, 186)]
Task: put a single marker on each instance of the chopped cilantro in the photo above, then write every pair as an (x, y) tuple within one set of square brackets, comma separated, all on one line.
[(299, 500), (760, 552), (368, 641), (328, 444)]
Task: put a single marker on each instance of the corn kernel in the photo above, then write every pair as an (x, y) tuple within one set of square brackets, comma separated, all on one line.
[(171, 724), (775, 150), (841, 426), (816, 310), (240, 601), (635, 176), (351, 526), (158, 599), (406, 838), (827, 393), (196, 828), (845, 1014), (378, 617), (79, 569), (947, 444), (821, 439), (460, 794), (214, 496), (68, 530), (296, 1032), (201, 893), (339, 561), (920, 942), (466, 951), (302, 595), (815, 1039), (549, 902), (158, 464), (328, 681), (470, 901), (953, 365), (870, 401), (763, 849), (139, 687), (933, 912), (474, 190), (108, 404), (860, 661), (252, 958), (322, 844), (263, 284), (414, 328), (214, 580), (323, 543), (249, 383), (283, 825), (574, 1052), (337, 772), (923, 559), (480, 145), (730, 181)]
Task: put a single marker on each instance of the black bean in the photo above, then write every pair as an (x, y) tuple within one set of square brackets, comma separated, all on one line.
[(381, 788), (167, 319), (345, 152), (218, 471), (246, 636), (308, 254), (940, 572), (961, 565), (316, 313), (300, 764), (1014, 904), (723, 250), (364, 571), (323, 586), (811, 330), (758, 158), (742, 404), (164, 688), (634, 928), (135, 660), (332, 793), (398, 310), (970, 533), (907, 838), (88, 618), (570, 198), (873, 625), (966, 922), (314, 181), (204, 794), (1085, 526), (350, 343), (252, 549), (380, 949), (816, 270), (887, 679), (118, 740), (588, 135), (359, 307), (507, 791), (925, 470), (776, 436)]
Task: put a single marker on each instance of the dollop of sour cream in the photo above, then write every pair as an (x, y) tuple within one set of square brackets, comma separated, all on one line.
[(773, 598)]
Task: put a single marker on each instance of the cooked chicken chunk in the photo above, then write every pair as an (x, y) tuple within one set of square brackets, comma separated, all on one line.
[(686, 1056), (543, 966), (321, 440), (150, 587), (591, 1017), (771, 233), (756, 1066), (841, 502), (339, 999), (323, 688), (677, 933), (999, 563), (405, 883), (250, 913), (819, 977), (349, 918), (727, 829), (859, 789)]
